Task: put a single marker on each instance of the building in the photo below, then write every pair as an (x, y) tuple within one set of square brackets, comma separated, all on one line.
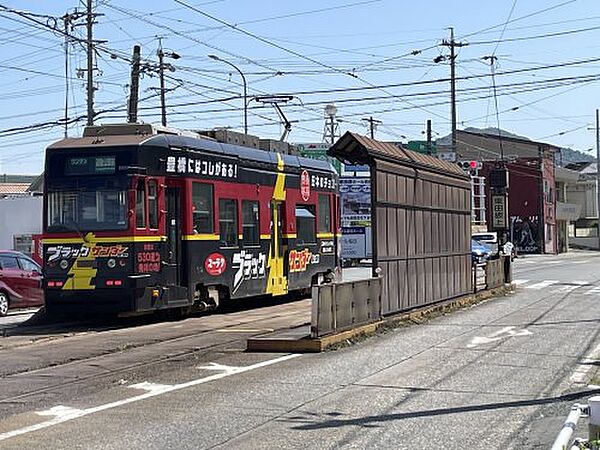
[(20, 212), (583, 232), (568, 210), (532, 190)]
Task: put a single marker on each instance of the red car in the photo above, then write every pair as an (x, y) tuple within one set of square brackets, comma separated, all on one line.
[(20, 282)]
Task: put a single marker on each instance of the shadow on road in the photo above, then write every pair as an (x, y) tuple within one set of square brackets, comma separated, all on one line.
[(377, 420)]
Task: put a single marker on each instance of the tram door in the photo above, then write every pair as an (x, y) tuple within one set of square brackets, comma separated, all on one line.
[(277, 277), (172, 255)]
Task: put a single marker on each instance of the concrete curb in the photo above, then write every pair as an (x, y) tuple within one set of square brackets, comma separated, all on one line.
[(298, 340)]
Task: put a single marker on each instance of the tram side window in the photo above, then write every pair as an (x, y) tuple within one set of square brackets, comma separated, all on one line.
[(202, 204), (324, 214), (305, 224), (228, 222), (152, 204), (250, 221), (140, 204)]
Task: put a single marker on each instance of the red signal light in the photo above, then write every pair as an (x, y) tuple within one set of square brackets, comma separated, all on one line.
[(473, 164)]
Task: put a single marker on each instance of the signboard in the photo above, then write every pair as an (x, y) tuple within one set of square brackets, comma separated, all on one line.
[(499, 210), (356, 242), (319, 151), (355, 199)]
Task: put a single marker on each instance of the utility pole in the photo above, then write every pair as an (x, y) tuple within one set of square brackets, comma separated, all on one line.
[(429, 149), (66, 21), (161, 75), (90, 64), (372, 125), (134, 88), (493, 60), (452, 44)]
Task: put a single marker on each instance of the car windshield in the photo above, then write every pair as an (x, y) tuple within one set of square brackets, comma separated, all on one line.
[(87, 205)]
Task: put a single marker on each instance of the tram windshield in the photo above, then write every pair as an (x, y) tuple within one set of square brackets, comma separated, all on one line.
[(88, 204)]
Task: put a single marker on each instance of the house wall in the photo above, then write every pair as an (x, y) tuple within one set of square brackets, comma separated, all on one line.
[(20, 215)]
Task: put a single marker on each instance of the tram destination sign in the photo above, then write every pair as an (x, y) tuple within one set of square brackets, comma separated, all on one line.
[(90, 165)]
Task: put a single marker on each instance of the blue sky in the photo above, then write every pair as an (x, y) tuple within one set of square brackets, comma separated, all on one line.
[(354, 53)]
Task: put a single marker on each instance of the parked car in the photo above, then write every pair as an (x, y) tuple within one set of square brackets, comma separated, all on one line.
[(480, 252), (490, 238), (20, 282)]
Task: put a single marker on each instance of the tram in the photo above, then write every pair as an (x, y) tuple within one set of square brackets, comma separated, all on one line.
[(138, 218)]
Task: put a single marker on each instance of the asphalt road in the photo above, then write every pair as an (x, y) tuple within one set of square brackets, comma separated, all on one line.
[(498, 375)]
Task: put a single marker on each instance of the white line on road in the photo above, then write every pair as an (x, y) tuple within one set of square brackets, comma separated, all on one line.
[(541, 284), (520, 282), (64, 413)]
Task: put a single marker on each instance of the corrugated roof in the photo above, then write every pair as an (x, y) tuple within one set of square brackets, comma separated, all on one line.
[(349, 141), (13, 188)]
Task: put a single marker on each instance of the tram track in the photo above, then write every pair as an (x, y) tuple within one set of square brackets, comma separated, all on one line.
[(212, 340)]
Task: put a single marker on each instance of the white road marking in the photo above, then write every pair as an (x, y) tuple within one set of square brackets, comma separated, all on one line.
[(520, 282), (224, 368), (498, 335), (541, 284), (580, 262), (64, 413), (581, 370), (593, 291)]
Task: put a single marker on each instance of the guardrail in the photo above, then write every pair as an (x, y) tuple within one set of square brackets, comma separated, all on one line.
[(340, 306), (564, 439)]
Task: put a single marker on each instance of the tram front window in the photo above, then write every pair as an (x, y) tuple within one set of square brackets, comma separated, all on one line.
[(92, 207)]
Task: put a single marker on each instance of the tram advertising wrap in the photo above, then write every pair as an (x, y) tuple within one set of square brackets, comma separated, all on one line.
[(138, 220), (355, 199)]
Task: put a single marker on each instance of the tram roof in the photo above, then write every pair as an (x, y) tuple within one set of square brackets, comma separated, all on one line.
[(189, 142)]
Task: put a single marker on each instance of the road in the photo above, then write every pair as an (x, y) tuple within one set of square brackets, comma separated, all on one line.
[(498, 375)]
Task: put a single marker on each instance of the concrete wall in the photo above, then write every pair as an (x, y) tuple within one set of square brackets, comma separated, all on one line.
[(22, 215), (585, 242)]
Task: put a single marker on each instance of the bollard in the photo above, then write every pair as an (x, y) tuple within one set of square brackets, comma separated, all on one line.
[(594, 420)]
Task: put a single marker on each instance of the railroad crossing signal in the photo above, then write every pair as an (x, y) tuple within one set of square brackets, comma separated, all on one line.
[(470, 167)]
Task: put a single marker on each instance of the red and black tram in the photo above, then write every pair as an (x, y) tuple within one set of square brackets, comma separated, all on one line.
[(138, 220)]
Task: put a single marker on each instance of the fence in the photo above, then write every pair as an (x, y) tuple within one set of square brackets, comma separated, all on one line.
[(340, 306)]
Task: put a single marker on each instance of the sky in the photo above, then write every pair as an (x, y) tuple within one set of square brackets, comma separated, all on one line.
[(371, 58)]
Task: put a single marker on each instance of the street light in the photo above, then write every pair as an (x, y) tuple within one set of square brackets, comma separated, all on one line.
[(216, 58)]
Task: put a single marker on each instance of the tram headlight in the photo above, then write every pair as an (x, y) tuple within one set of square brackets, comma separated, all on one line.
[(64, 264), (111, 263)]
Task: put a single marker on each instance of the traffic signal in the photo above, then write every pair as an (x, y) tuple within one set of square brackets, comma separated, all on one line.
[(470, 166)]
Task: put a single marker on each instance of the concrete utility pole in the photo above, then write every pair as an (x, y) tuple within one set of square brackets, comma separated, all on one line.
[(134, 88), (493, 60), (372, 125), (452, 44), (66, 21), (90, 64), (161, 75), (429, 147)]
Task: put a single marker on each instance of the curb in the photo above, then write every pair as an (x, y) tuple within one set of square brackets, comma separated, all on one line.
[(298, 340)]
